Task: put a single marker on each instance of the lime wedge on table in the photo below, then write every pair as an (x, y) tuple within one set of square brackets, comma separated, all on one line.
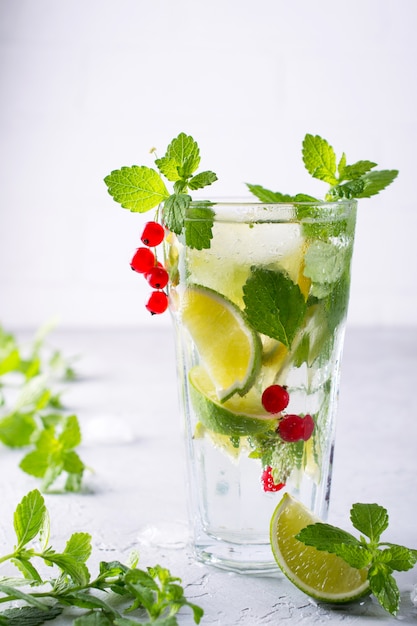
[(323, 576), (238, 416), (228, 348)]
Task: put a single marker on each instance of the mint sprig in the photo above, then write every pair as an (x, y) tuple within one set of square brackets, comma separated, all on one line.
[(153, 591), (36, 419), (142, 188), (358, 180), (381, 558)]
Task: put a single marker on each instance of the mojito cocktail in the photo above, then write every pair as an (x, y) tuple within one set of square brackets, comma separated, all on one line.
[(259, 293), (260, 318)]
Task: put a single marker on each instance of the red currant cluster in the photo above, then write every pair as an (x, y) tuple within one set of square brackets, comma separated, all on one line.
[(144, 262), (291, 428)]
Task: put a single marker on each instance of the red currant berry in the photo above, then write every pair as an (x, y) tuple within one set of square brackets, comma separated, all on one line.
[(294, 428), (153, 234), (142, 260), (157, 303), (308, 423), (275, 399), (291, 428), (157, 277), (268, 481)]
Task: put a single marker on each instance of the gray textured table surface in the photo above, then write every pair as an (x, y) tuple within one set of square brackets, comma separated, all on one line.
[(126, 400)]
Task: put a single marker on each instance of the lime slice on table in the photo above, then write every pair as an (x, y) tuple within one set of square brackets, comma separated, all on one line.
[(238, 416), (324, 576), (228, 348)]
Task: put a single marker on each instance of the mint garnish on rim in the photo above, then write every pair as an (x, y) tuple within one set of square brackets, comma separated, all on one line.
[(142, 188), (358, 180)]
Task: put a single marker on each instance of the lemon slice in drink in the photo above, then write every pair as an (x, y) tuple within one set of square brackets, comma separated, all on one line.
[(228, 348), (326, 577), (238, 416)]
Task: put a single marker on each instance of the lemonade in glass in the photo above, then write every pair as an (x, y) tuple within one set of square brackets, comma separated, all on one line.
[(259, 318)]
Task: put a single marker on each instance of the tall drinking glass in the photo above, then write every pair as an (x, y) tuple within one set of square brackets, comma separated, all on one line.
[(259, 296)]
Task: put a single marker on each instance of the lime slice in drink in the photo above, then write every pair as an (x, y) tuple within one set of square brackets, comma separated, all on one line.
[(238, 416), (228, 348), (324, 576)]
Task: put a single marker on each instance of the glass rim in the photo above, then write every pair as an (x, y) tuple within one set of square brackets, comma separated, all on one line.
[(252, 211)]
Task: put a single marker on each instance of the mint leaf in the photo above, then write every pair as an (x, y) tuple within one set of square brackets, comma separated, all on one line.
[(29, 615), (203, 179), (69, 566), (28, 570), (79, 546), (274, 305), (374, 182), (9, 353), (70, 437), (384, 587), (16, 430), (181, 160), (349, 172), (326, 537), (265, 195), (53, 455), (364, 187), (319, 158), (341, 166), (169, 168), (72, 463), (398, 558), (331, 539), (174, 212), (138, 189), (198, 226), (29, 517), (369, 519)]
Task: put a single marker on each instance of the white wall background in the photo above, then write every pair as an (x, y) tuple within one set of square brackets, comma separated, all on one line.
[(90, 85)]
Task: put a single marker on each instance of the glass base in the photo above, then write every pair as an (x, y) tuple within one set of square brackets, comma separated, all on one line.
[(255, 559)]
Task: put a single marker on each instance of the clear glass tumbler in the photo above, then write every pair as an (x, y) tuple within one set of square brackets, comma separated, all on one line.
[(259, 296)]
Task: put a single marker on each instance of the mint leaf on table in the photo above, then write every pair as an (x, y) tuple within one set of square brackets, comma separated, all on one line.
[(29, 518), (152, 590), (54, 454), (381, 558), (37, 417), (17, 428), (29, 615), (274, 304)]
